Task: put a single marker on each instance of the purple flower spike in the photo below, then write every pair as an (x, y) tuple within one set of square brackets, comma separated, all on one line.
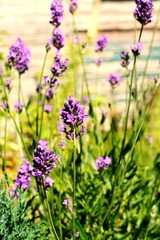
[(114, 80), (58, 39), (59, 66), (101, 43), (49, 94), (19, 56), (18, 107), (66, 202), (125, 59), (43, 162), (143, 11), (102, 163), (48, 108), (73, 6), (73, 115), (136, 49), (23, 178), (57, 13)]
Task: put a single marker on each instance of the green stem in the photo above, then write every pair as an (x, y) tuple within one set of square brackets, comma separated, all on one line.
[(5, 140), (39, 93), (19, 99), (49, 214), (41, 123), (51, 122), (20, 135), (150, 49), (73, 56), (60, 197), (74, 179)]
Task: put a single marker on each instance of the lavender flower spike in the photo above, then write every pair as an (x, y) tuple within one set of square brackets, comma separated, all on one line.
[(58, 39), (43, 162), (19, 56), (73, 115), (101, 43), (57, 13), (136, 49), (125, 59), (23, 178), (102, 163), (143, 11), (73, 6), (59, 66), (114, 80)]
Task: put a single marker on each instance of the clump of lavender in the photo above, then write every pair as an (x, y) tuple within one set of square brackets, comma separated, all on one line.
[(73, 115), (66, 202), (125, 59), (73, 6), (19, 56), (101, 43), (114, 80), (58, 39), (102, 163), (23, 178), (18, 107), (43, 162), (136, 49), (59, 66), (143, 11)]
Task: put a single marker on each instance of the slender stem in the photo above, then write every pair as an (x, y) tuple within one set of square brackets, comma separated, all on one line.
[(19, 99), (49, 214), (127, 114), (41, 123), (150, 49), (74, 180), (96, 85), (20, 135), (27, 115), (5, 140), (51, 122), (60, 196), (39, 93), (73, 56), (140, 35)]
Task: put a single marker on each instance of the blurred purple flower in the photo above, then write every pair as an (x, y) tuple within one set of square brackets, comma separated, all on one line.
[(4, 105), (73, 115), (136, 49), (18, 107), (124, 58), (143, 11), (102, 163), (48, 108), (98, 62), (66, 202), (57, 13), (76, 40), (1, 71), (73, 6), (49, 94), (58, 39), (8, 85), (101, 43), (48, 45), (114, 80), (149, 138), (19, 56), (77, 234)]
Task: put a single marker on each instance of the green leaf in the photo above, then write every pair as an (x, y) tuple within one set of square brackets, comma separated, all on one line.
[(125, 236), (81, 230)]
